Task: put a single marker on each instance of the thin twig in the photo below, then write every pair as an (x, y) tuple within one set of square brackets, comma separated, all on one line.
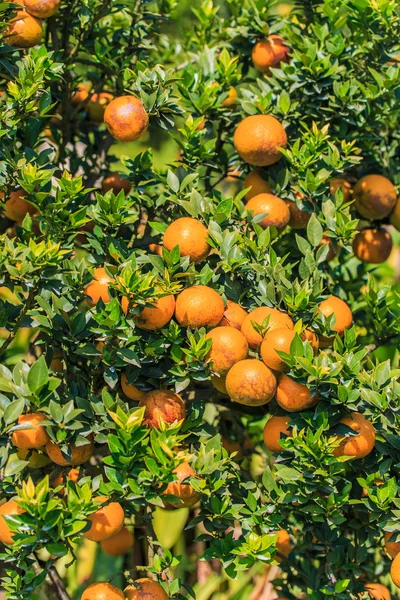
[(58, 584)]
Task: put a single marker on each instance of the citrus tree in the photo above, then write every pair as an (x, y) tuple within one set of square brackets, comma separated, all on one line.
[(194, 203)]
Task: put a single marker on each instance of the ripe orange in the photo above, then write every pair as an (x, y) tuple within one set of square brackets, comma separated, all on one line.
[(231, 99), (130, 390), (357, 446), (156, 249), (144, 589), (156, 317), (191, 237), (9, 508), (250, 382), (126, 118), (269, 53), (98, 288), (276, 211), (283, 545), (395, 571), (277, 320), (16, 207), (298, 218), (395, 216), (78, 454), (392, 547), (59, 479), (199, 306), (228, 347), (164, 405), (277, 340), (116, 183), (183, 490), (35, 436), (258, 184), (80, 95), (103, 591), (274, 427), (343, 317), (374, 197), (97, 105), (309, 335), (342, 183), (331, 252), (257, 139), (293, 396), (219, 383), (118, 544), (42, 9), (234, 315), (373, 245), (377, 591), (106, 521), (24, 31)]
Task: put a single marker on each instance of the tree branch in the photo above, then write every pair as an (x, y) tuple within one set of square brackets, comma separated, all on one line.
[(58, 584)]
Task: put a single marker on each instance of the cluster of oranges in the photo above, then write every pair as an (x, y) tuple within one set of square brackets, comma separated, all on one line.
[(25, 29)]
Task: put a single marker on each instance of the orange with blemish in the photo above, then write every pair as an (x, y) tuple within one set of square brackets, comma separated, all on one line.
[(162, 405), (78, 454), (234, 315), (144, 589), (341, 183), (42, 9), (199, 306), (293, 396), (24, 31), (35, 435), (126, 118), (157, 316), (374, 197), (250, 382), (228, 346), (269, 53), (274, 428), (182, 489), (356, 446), (298, 219), (372, 245)]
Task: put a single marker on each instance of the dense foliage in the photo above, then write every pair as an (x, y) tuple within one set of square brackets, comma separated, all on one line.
[(338, 100)]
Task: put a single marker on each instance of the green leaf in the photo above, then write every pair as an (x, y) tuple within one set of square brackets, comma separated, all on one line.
[(38, 375)]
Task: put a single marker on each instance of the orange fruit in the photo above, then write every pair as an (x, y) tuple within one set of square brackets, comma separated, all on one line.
[(258, 184), (80, 95), (331, 252), (250, 382), (395, 216), (35, 459), (24, 31), (269, 53), (78, 454), (16, 207), (391, 547), (342, 183), (34, 436), (374, 197), (298, 218), (276, 211), (277, 340), (126, 118), (106, 521), (97, 105), (357, 446), (293, 396), (102, 591), (157, 316), (199, 306), (191, 237), (283, 545), (231, 99), (116, 183), (277, 320), (257, 139), (219, 383), (130, 390), (372, 245), (156, 249), (59, 479), (377, 591), (274, 427), (310, 336), (343, 316), (118, 544), (395, 571), (98, 288), (144, 589), (234, 315), (9, 508), (164, 405), (182, 489), (42, 9), (228, 346)]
